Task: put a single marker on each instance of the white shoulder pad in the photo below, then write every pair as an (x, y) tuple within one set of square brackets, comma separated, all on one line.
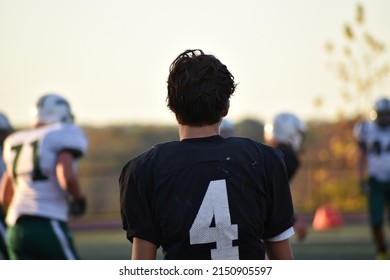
[(67, 137)]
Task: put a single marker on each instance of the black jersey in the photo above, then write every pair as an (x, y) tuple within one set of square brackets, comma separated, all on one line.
[(207, 198), (290, 159)]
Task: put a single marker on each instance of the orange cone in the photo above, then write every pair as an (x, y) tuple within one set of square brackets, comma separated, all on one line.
[(327, 217)]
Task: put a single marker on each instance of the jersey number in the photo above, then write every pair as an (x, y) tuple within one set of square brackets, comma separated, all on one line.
[(377, 148), (215, 207), (37, 174)]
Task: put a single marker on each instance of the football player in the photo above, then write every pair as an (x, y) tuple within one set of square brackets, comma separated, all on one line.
[(40, 187), (373, 138), (5, 130), (206, 197), (286, 132)]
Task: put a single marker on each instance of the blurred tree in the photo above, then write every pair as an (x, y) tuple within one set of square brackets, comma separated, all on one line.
[(359, 64)]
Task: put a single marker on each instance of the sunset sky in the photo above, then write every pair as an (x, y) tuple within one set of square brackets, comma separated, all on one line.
[(110, 58)]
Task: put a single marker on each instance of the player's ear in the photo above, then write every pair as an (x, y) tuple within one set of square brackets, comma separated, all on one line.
[(226, 110)]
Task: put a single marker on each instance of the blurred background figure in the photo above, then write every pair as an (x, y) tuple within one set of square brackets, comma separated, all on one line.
[(373, 164), (227, 128), (286, 132), (5, 130), (40, 186)]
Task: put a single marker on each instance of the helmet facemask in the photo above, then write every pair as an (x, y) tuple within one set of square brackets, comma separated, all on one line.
[(52, 108)]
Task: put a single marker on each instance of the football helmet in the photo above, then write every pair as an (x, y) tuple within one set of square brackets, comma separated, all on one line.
[(381, 112), (286, 128), (52, 108), (4, 123)]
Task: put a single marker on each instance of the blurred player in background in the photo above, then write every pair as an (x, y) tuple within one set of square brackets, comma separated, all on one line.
[(373, 138), (5, 130), (40, 187), (227, 128), (205, 196), (286, 132)]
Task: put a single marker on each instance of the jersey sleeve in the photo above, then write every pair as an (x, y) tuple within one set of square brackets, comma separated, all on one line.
[(290, 159), (67, 137), (360, 132), (70, 138), (280, 206), (136, 200)]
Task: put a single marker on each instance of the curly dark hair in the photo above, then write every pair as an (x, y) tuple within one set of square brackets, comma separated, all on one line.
[(199, 88)]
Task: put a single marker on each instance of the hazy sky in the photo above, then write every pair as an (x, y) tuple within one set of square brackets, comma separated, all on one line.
[(110, 58)]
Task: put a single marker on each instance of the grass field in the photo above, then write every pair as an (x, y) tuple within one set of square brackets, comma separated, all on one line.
[(349, 242)]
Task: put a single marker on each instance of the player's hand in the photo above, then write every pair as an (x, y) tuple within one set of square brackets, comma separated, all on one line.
[(77, 206), (365, 187)]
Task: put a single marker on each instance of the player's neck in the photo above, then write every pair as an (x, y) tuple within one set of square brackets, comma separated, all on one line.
[(187, 132)]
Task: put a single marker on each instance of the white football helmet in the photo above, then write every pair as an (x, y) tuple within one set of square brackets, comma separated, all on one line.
[(227, 128), (286, 128), (52, 108), (381, 112)]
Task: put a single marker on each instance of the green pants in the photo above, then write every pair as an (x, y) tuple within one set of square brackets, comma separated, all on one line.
[(379, 198), (40, 239)]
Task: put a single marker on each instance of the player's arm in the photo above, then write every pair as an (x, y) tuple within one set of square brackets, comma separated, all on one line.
[(360, 131), (143, 250), (69, 181), (362, 169), (6, 191), (66, 175), (362, 164), (279, 250)]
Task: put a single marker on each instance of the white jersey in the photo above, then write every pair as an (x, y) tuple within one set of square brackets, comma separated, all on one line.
[(376, 142), (30, 157)]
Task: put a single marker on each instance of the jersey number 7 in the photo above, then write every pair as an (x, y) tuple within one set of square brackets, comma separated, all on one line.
[(36, 173)]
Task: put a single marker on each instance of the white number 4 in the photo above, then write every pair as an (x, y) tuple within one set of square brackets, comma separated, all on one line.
[(215, 205)]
